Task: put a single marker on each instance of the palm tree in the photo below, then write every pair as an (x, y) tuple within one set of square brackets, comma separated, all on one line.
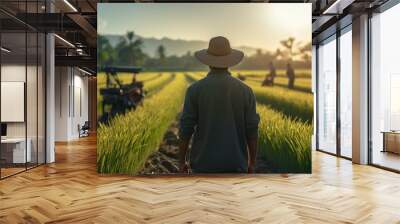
[(130, 36), (305, 52), (129, 50), (161, 52), (289, 45), (105, 53)]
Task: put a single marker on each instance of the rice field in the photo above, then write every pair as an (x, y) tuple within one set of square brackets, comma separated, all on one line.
[(292, 103), (284, 143), (152, 83), (301, 84), (284, 138), (284, 133), (300, 73), (128, 140)]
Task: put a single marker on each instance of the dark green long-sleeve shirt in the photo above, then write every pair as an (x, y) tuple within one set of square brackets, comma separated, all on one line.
[(221, 112)]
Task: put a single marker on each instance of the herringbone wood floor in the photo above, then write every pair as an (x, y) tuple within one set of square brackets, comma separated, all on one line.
[(70, 191)]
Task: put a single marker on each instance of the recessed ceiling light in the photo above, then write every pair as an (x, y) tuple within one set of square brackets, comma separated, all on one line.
[(337, 7), (64, 40), (70, 5), (5, 50), (84, 71)]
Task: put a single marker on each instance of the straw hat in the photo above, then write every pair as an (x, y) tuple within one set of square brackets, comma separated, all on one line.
[(219, 54)]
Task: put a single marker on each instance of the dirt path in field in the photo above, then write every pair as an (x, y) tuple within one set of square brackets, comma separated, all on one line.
[(166, 159)]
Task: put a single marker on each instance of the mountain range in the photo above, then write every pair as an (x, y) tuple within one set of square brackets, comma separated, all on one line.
[(177, 47)]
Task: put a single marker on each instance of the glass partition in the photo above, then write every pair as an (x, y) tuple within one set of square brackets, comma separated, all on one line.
[(327, 95), (346, 93), (22, 101), (14, 153)]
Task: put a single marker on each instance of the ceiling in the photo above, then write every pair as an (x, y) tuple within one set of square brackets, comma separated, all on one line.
[(75, 21)]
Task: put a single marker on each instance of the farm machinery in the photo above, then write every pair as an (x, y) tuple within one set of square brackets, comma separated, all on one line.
[(117, 97)]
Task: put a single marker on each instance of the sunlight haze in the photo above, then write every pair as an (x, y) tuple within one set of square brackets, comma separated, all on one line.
[(258, 25)]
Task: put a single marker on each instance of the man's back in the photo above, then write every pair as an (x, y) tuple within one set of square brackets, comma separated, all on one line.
[(220, 110)]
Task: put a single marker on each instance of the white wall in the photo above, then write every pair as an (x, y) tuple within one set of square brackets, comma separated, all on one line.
[(14, 73), (33, 126), (71, 102), (62, 81), (81, 104)]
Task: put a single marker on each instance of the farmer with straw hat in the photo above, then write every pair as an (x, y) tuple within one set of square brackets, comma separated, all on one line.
[(220, 112)]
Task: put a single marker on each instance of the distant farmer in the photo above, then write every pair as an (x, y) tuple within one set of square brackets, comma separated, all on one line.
[(269, 79), (291, 76), (220, 111)]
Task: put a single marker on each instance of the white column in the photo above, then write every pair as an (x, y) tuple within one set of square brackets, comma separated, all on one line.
[(50, 98), (50, 92), (360, 90), (62, 103)]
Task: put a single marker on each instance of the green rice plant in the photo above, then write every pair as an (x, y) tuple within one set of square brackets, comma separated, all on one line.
[(301, 84), (292, 103), (284, 143), (300, 73), (151, 86), (156, 84), (124, 145), (194, 76)]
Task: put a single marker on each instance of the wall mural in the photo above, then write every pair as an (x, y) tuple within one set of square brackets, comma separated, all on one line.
[(204, 88)]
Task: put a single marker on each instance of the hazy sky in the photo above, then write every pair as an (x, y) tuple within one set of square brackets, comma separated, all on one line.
[(255, 25)]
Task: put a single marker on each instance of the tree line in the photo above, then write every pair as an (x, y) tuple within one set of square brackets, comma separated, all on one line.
[(128, 52)]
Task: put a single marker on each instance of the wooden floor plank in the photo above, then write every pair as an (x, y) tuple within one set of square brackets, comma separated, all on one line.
[(70, 191)]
